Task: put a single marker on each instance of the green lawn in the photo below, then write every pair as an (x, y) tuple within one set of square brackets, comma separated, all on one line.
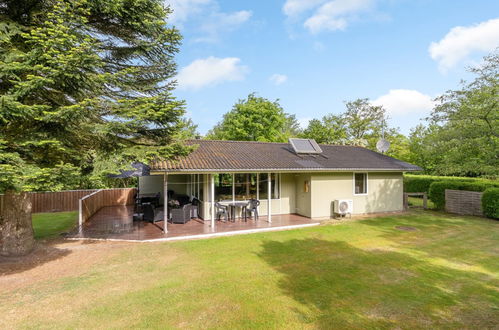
[(417, 201), (356, 275), (49, 225)]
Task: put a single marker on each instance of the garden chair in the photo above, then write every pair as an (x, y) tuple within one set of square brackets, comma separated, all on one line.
[(181, 215), (148, 212), (222, 211), (252, 208), (195, 207)]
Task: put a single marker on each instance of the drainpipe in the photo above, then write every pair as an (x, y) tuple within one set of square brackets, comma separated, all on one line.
[(165, 202)]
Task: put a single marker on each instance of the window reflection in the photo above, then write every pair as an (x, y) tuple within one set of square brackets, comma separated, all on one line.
[(223, 187), (360, 183), (245, 186), (263, 186)]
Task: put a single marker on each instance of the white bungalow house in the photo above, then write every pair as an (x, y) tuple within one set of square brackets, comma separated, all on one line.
[(299, 177)]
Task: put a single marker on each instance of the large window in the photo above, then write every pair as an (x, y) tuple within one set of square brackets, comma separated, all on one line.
[(194, 184), (360, 183), (223, 187), (244, 186), (263, 186), (200, 186)]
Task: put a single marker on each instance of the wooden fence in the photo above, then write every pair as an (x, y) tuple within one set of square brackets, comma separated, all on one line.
[(463, 202), (92, 203), (58, 201)]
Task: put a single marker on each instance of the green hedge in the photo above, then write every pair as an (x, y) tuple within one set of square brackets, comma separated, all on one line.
[(437, 189), (490, 203), (421, 183)]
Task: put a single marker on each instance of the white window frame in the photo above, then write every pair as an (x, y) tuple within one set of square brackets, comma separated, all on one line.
[(367, 183), (278, 177)]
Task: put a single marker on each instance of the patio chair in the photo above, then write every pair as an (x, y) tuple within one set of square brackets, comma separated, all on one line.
[(221, 211), (148, 212), (181, 215), (195, 207), (183, 199), (170, 193), (157, 199), (252, 208), (137, 205)]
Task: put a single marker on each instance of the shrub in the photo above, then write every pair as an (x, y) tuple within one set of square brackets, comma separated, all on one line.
[(421, 183), (437, 189), (490, 203)]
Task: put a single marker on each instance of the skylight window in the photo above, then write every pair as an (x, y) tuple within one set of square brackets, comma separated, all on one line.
[(305, 146)]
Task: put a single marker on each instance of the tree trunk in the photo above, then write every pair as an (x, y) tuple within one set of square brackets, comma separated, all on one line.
[(16, 227)]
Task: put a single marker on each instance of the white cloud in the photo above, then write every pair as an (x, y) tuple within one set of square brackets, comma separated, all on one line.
[(205, 17), (211, 71), (404, 101), (222, 22), (296, 7), (183, 9), (461, 41), (278, 79), (235, 18), (335, 15)]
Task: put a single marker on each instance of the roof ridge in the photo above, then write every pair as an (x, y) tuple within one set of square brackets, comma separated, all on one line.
[(265, 142), (341, 145), (232, 141)]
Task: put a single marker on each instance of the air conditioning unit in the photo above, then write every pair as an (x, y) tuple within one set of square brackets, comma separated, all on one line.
[(343, 206)]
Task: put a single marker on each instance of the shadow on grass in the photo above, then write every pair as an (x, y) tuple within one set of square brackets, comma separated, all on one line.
[(41, 254), (341, 286)]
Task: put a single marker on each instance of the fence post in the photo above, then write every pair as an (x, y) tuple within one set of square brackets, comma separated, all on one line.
[(406, 202), (425, 201), (80, 215)]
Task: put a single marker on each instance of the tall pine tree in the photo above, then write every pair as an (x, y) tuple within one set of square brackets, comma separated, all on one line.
[(82, 79)]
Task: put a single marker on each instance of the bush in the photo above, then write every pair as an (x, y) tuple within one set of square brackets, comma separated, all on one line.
[(437, 189), (490, 203), (421, 183)]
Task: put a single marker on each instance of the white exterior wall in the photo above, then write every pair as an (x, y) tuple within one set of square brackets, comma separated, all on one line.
[(385, 193)]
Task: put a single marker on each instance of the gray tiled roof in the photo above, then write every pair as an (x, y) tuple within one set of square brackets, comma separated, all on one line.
[(260, 156)]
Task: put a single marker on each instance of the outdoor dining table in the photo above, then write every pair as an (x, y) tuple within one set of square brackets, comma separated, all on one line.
[(234, 205)]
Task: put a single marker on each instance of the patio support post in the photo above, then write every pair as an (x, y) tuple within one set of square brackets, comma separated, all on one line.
[(269, 198), (212, 189), (165, 202)]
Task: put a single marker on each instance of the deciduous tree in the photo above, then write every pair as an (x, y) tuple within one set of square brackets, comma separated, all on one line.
[(255, 119), (330, 129), (462, 137)]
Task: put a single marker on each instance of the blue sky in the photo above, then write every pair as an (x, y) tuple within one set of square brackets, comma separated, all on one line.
[(313, 55)]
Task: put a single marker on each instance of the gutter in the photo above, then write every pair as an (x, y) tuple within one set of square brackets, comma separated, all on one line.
[(280, 170)]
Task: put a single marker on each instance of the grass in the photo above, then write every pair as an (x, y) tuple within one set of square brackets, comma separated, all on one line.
[(418, 201), (356, 275), (50, 225)]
